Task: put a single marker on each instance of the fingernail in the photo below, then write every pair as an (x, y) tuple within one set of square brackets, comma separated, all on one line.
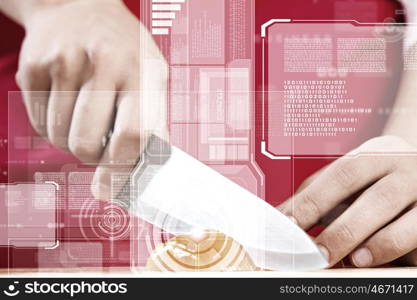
[(324, 251), (362, 257)]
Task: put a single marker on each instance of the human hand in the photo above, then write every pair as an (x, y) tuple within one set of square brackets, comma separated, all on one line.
[(380, 225), (88, 68)]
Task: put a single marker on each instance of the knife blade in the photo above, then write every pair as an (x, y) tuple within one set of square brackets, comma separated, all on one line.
[(180, 195)]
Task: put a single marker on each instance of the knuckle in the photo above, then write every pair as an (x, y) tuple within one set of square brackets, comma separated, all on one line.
[(386, 196), (83, 149), (60, 67), (345, 175), (344, 233), (100, 55), (310, 205), (29, 69)]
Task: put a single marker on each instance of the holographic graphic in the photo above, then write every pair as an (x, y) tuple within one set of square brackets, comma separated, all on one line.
[(204, 252)]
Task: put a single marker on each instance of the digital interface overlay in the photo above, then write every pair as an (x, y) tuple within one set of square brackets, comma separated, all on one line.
[(250, 96)]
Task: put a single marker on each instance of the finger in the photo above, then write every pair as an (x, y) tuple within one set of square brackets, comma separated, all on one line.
[(123, 150), (140, 114), (66, 76), (395, 240), (376, 207), (340, 180), (35, 82), (335, 212), (92, 118)]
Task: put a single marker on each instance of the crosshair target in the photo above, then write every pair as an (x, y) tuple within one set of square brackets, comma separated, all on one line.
[(110, 222)]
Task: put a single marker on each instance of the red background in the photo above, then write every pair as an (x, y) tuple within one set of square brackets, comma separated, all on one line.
[(275, 171)]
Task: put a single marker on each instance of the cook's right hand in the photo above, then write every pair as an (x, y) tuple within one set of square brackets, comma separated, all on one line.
[(87, 68)]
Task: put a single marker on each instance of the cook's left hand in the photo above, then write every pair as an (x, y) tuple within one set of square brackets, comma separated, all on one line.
[(380, 226)]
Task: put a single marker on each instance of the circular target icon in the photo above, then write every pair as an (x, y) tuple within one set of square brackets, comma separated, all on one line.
[(209, 252), (108, 222)]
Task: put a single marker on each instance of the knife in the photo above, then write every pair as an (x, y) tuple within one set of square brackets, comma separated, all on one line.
[(181, 195)]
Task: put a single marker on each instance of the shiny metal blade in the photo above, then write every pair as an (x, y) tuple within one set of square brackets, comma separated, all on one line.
[(180, 195)]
